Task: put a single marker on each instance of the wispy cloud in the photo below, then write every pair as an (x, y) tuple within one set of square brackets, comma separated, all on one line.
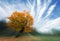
[(6, 8), (50, 10), (49, 25)]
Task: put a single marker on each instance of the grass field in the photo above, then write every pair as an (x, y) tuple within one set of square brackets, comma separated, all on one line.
[(49, 38), (31, 38)]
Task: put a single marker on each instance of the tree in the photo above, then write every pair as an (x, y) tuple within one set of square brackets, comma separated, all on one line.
[(21, 21)]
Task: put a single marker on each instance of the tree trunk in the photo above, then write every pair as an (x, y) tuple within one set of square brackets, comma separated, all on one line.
[(20, 32)]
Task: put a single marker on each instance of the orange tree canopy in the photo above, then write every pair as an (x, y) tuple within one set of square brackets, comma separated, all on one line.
[(18, 20)]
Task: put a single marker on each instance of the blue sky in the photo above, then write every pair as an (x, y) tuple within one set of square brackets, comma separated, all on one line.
[(46, 13), (53, 15)]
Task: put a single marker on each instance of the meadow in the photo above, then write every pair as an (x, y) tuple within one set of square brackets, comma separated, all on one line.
[(31, 38), (49, 38)]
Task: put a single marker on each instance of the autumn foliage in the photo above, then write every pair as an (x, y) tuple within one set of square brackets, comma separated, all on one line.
[(18, 20)]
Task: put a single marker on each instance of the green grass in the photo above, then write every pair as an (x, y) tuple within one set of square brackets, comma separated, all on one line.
[(49, 38)]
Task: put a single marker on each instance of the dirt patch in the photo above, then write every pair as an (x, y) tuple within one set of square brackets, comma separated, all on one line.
[(22, 38)]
